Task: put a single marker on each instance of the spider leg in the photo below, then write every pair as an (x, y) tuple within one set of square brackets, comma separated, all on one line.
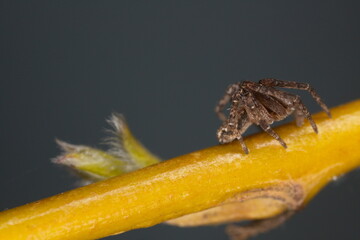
[(243, 124), (271, 82), (258, 114), (285, 98), (266, 127), (243, 145), (224, 100), (255, 110), (273, 105)]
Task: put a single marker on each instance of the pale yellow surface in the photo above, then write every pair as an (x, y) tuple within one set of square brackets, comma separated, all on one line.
[(195, 182)]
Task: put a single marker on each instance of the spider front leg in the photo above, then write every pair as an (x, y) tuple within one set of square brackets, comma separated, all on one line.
[(243, 145), (266, 127), (225, 99), (243, 124), (272, 82)]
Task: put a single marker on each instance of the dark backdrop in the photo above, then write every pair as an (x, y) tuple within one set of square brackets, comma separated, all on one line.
[(66, 65)]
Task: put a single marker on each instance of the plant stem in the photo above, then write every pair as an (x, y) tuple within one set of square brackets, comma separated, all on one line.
[(197, 181)]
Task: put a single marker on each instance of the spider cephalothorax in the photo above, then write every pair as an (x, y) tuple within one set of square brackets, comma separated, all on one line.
[(262, 104)]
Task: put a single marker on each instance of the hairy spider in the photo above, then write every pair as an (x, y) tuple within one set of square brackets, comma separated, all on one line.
[(261, 104)]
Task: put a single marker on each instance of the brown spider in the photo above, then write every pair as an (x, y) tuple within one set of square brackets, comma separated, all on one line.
[(261, 104)]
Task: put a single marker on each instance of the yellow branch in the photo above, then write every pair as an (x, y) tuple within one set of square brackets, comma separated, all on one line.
[(217, 176)]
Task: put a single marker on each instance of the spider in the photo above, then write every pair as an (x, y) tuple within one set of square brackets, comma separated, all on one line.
[(262, 104)]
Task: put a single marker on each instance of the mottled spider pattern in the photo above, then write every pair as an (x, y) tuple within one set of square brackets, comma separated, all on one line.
[(262, 104)]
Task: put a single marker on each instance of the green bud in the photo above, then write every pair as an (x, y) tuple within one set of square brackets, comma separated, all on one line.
[(125, 154)]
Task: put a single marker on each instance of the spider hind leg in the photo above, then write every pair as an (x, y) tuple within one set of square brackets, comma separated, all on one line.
[(266, 127), (272, 82)]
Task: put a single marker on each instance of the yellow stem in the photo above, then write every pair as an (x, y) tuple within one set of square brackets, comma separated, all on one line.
[(198, 181)]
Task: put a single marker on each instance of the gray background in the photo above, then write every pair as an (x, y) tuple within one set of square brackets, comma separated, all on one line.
[(66, 65)]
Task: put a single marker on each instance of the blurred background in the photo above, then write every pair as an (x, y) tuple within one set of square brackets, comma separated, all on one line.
[(65, 66)]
